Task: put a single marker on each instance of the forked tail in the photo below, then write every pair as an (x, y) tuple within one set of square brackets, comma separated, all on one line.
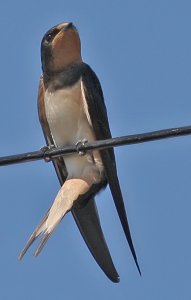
[(69, 192)]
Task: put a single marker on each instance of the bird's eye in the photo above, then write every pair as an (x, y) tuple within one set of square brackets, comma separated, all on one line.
[(50, 35)]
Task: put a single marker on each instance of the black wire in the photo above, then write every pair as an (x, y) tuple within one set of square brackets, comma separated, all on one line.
[(49, 153)]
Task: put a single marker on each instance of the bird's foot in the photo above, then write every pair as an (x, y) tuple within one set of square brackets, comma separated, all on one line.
[(44, 151), (80, 147)]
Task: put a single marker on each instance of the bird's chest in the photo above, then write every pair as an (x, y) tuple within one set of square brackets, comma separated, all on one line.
[(67, 116)]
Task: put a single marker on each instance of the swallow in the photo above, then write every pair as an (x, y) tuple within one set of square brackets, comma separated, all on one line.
[(71, 108)]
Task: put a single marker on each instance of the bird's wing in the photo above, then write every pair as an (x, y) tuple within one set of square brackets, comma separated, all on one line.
[(98, 116), (85, 215)]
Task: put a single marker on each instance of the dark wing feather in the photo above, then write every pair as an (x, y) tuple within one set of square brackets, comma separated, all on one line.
[(99, 119), (86, 216)]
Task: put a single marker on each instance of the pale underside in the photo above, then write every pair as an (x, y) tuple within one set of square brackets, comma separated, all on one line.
[(69, 122)]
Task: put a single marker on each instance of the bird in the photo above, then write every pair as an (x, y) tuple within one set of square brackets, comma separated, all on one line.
[(72, 110)]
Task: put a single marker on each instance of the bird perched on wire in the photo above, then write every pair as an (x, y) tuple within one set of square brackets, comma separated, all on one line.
[(71, 110)]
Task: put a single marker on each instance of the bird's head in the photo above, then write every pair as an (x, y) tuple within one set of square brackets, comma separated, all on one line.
[(60, 47)]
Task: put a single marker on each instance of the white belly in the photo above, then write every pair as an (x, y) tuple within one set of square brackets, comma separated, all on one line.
[(69, 122)]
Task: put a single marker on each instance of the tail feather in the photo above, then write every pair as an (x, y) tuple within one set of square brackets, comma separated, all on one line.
[(39, 230), (42, 243), (88, 222), (69, 192)]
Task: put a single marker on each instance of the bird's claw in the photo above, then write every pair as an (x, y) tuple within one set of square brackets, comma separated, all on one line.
[(44, 150), (80, 147)]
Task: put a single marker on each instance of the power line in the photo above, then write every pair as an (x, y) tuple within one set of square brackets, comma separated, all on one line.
[(48, 153)]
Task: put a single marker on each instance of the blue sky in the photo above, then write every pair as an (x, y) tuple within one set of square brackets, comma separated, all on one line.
[(141, 51)]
